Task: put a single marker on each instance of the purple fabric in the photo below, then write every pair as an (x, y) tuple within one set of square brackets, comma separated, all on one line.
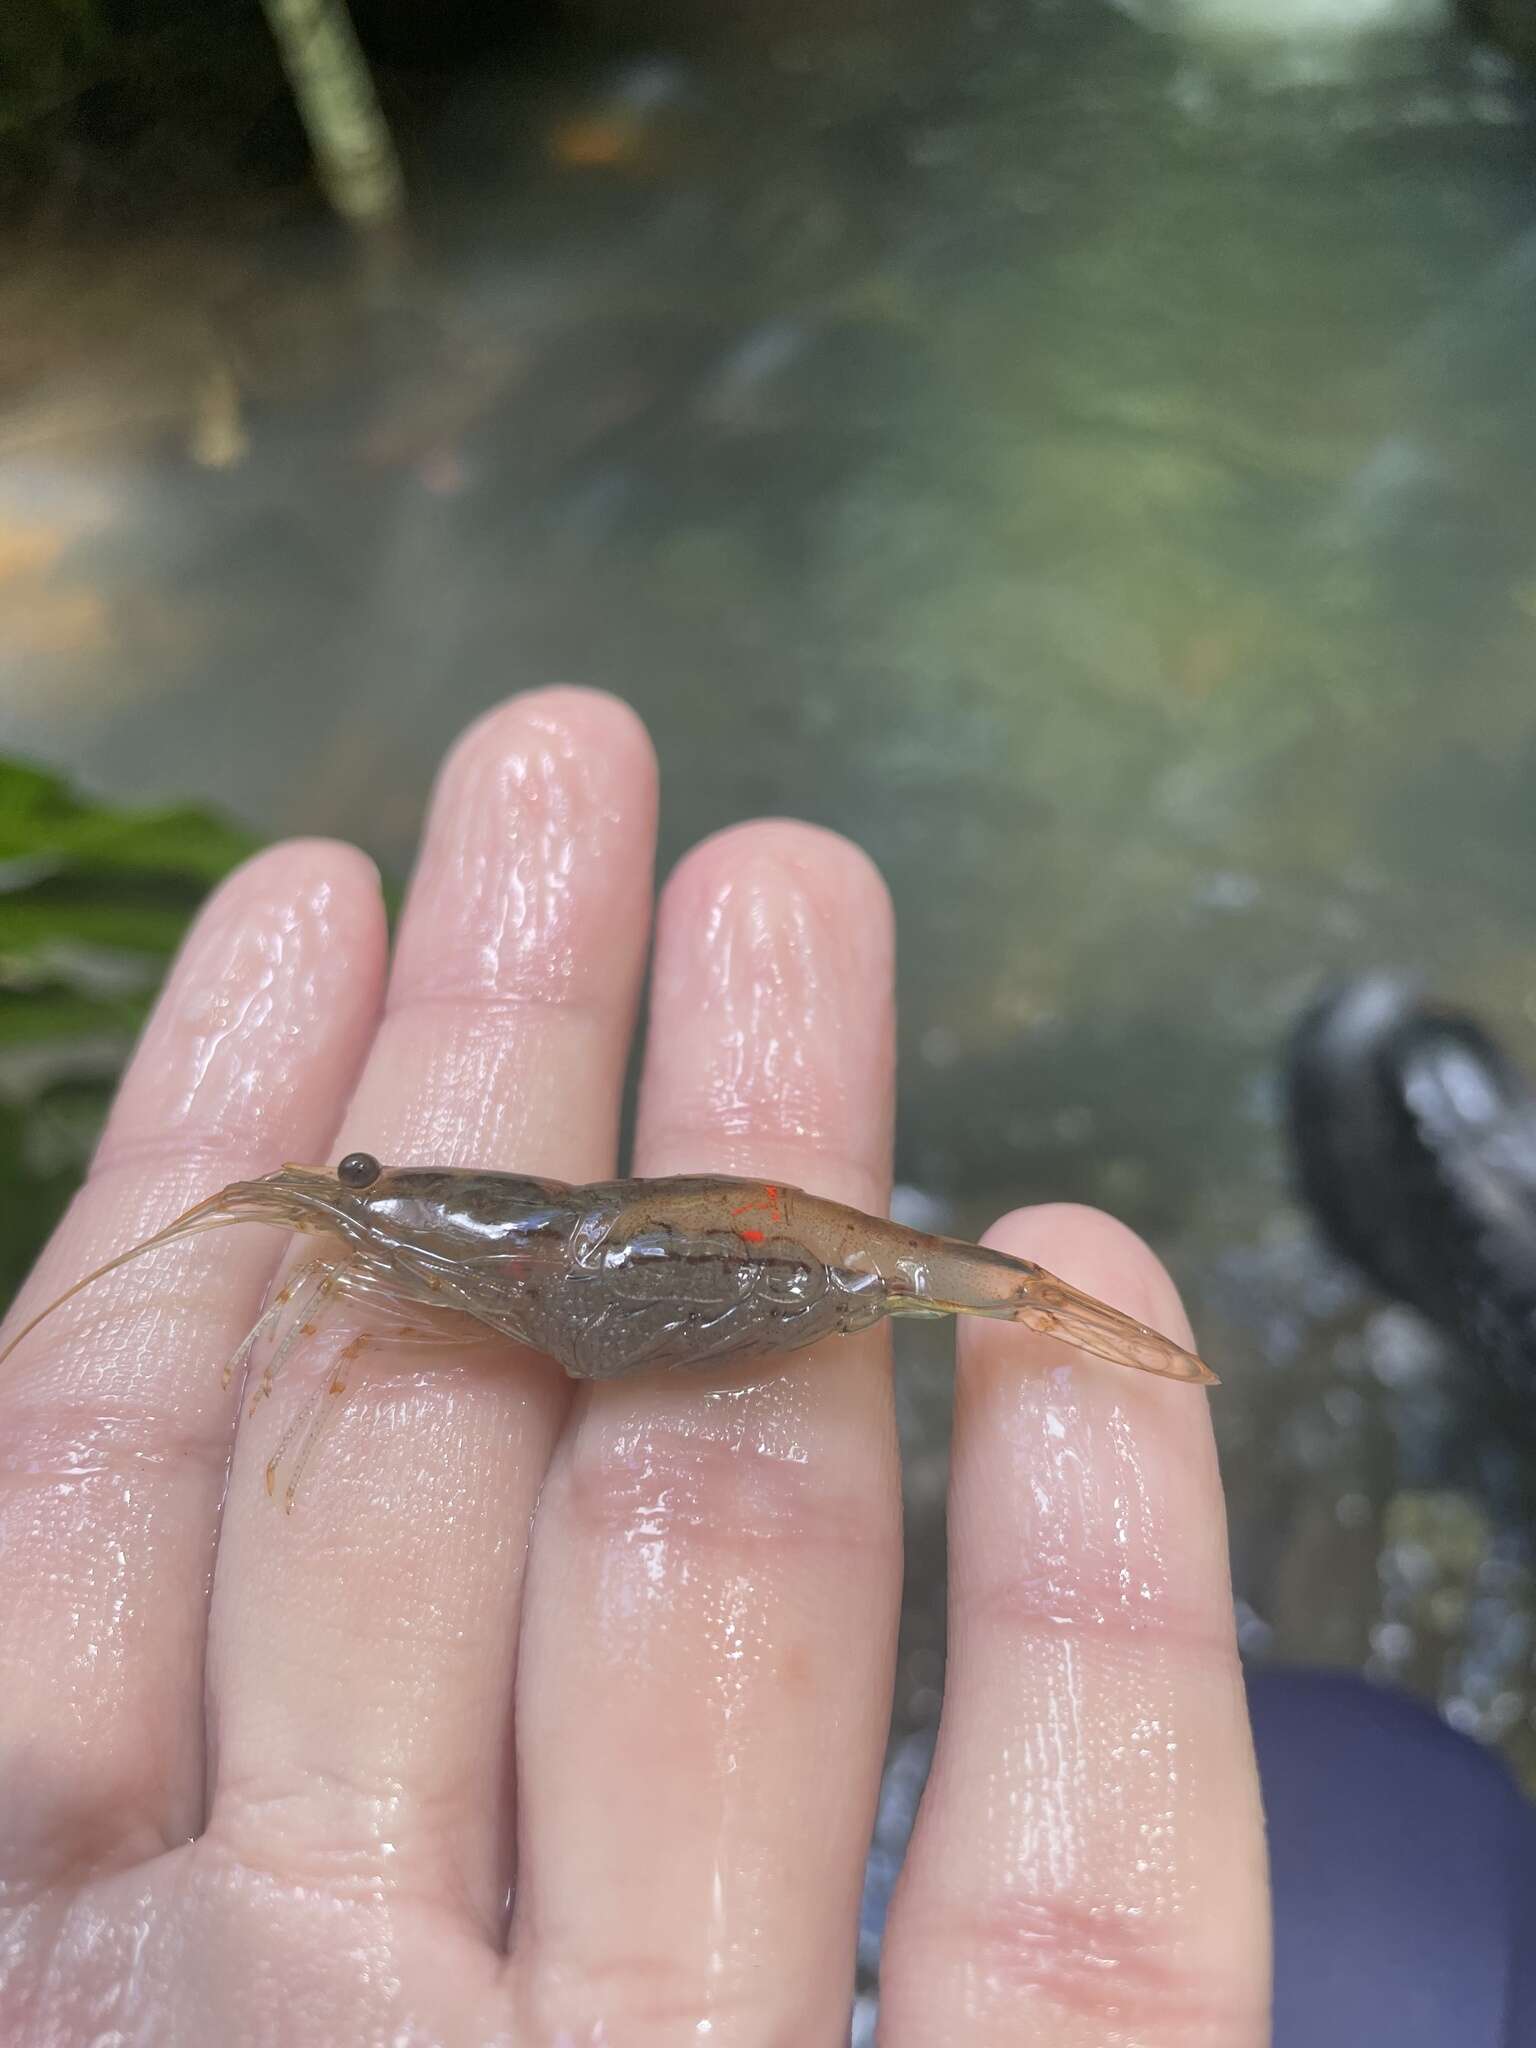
[(1404, 1866)]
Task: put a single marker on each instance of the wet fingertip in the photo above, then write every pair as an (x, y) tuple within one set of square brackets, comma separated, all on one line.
[(771, 1013), (786, 906), (299, 871), (572, 717), (829, 870), (533, 881)]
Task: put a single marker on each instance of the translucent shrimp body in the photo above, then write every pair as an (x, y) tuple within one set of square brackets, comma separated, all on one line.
[(623, 1276)]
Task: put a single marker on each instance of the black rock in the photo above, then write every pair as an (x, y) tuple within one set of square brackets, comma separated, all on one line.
[(1414, 1138)]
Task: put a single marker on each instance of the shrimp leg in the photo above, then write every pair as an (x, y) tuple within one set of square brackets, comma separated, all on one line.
[(309, 1424), (329, 1278), (300, 1288), (407, 1320), (237, 1359), (312, 1420), (944, 1276), (311, 1291)]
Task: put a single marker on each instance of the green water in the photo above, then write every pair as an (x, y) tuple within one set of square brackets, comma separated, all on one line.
[(1094, 473)]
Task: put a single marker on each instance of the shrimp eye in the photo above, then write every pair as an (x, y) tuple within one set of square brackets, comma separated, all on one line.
[(358, 1170)]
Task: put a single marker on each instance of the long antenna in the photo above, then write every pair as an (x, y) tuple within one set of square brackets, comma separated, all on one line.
[(198, 1217)]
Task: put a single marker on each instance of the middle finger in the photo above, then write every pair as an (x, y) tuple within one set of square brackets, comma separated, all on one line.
[(711, 1613)]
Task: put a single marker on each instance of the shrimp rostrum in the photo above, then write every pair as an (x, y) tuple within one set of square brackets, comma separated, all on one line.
[(623, 1276)]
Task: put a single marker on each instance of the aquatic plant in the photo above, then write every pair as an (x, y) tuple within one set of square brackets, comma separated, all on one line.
[(93, 902)]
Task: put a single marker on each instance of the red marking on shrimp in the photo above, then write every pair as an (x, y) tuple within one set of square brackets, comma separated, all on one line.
[(750, 1236), (766, 1204)]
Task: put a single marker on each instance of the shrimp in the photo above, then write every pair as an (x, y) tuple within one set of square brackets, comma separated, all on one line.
[(617, 1277)]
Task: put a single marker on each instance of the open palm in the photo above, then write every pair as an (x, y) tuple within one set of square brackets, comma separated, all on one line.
[(555, 1716)]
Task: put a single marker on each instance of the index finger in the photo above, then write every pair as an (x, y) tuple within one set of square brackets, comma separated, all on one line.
[(1088, 1865)]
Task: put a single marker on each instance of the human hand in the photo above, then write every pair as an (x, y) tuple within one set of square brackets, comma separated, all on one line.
[(620, 1655)]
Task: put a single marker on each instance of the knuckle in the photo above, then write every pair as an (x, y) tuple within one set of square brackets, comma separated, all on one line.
[(655, 2000), (1098, 1614), (1115, 1967)]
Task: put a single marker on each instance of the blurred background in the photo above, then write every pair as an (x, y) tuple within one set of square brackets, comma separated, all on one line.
[(1086, 452)]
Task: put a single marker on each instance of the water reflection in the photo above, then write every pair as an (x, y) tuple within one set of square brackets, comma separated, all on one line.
[(1087, 464)]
